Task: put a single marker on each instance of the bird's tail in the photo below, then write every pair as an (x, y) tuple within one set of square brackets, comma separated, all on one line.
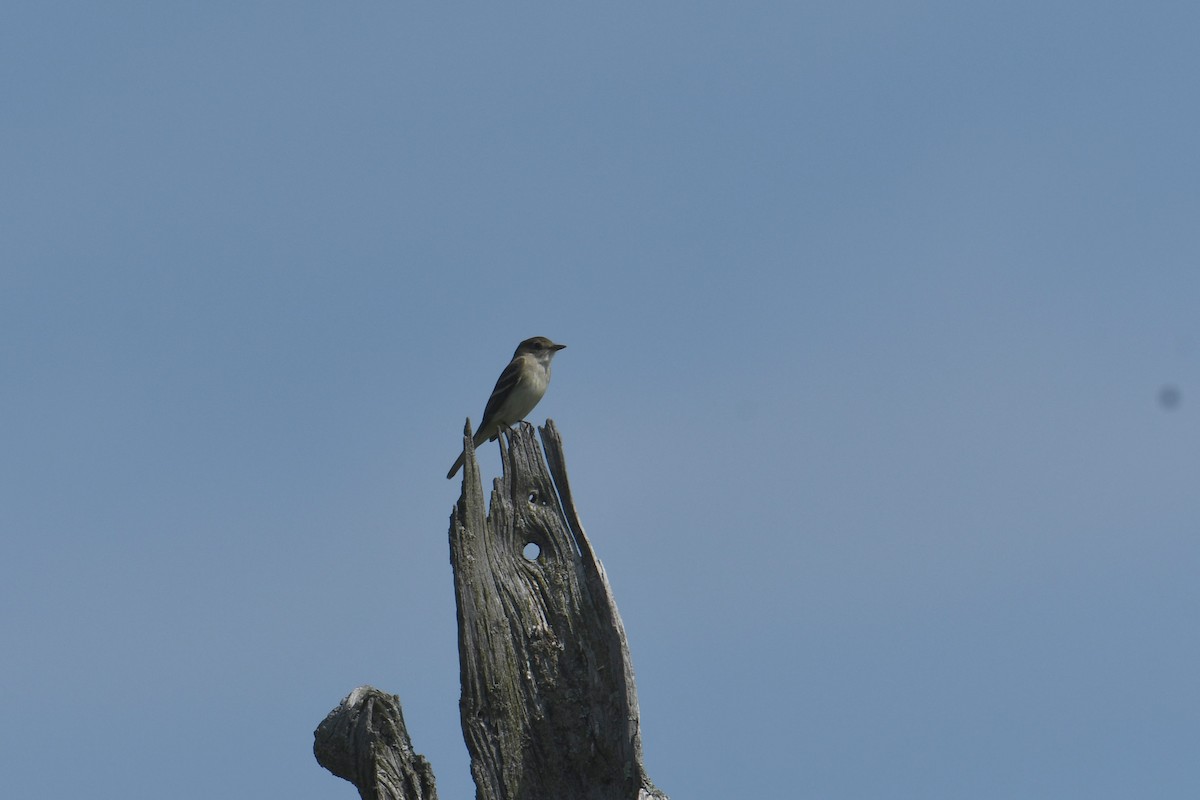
[(481, 435)]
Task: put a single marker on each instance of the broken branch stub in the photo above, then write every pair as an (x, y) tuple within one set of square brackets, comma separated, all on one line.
[(364, 741)]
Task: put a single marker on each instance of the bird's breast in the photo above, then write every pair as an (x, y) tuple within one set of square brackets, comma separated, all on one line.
[(526, 394)]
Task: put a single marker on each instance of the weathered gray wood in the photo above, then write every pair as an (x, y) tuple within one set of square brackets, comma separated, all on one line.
[(549, 707), (364, 741)]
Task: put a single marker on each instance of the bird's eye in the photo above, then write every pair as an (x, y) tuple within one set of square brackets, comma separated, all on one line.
[(538, 345)]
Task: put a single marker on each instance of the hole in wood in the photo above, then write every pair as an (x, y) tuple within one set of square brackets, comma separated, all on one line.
[(533, 498), (531, 551)]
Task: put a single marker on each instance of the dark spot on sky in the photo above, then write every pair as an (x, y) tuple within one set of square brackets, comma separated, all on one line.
[(1169, 397)]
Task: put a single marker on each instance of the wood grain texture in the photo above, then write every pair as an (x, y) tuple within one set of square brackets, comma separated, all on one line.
[(549, 707), (364, 741)]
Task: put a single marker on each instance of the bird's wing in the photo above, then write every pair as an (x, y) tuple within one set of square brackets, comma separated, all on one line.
[(507, 381)]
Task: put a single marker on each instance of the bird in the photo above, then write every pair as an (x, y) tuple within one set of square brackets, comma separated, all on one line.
[(519, 388)]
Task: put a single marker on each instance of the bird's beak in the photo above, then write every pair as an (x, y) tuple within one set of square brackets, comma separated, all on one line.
[(559, 346)]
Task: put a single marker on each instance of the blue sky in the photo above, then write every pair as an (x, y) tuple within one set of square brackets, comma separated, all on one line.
[(868, 307)]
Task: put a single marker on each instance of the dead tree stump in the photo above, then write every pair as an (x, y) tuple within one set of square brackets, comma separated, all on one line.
[(549, 706)]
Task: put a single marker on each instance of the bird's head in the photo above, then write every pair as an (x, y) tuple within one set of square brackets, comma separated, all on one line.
[(539, 347)]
